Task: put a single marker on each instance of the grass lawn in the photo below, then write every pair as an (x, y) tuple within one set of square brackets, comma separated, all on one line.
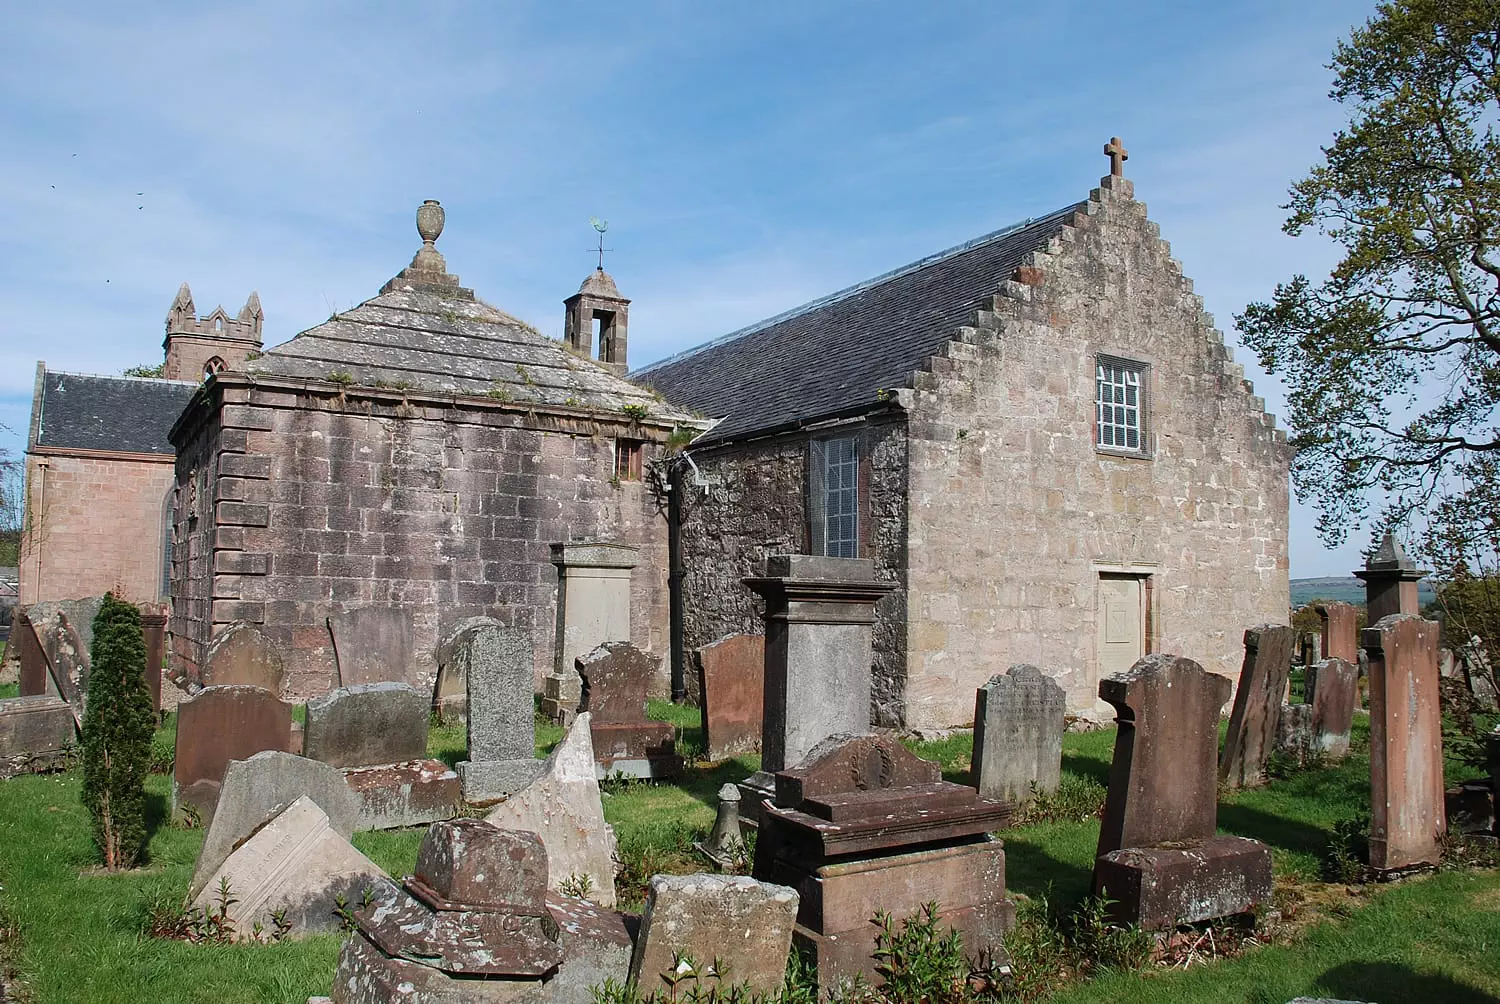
[(77, 935)]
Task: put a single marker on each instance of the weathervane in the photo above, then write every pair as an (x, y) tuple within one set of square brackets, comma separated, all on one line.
[(600, 226)]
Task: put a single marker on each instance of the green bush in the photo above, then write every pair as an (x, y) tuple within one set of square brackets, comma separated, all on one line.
[(117, 728)]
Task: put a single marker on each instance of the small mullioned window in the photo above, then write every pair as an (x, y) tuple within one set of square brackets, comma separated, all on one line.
[(1120, 406)]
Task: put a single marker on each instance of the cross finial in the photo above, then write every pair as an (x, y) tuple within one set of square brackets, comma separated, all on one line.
[(1117, 155)]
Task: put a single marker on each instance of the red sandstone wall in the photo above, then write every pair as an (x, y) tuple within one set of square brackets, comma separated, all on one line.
[(93, 525)]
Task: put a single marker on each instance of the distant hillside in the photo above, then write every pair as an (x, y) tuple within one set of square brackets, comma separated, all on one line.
[(1342, 587)]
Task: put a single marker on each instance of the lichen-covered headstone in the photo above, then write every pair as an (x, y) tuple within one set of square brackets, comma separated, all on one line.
[(1018, 729), (501, 716), (741, 925), (367, 723), (616, 678)]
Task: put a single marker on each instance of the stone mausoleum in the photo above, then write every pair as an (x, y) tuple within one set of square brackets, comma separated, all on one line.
[(420, 453), (1039, 436)]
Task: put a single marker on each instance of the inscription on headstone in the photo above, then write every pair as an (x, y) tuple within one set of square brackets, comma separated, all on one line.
[(1018, 729)]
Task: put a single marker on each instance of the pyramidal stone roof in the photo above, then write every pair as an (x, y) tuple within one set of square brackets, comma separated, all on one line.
[(427, 333), (842, 351)]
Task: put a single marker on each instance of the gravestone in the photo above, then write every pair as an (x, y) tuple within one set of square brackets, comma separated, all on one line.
[(501, 713), (367, 723), (564, 808), (242, 656), (154, 632), (36, 675), (216, 726), (593, 607), (862, 825), (1406, 751), (1340, 638), (1018, 729), (450, 694), (1294, 731), (372, 644), (1332, 693), (1257, 704), (731, 685), (296, 864), (742, 926), (820, 619), (37, 734), (1159, 860), (393, 796), (68, 660), (257, 789), (616, 677)]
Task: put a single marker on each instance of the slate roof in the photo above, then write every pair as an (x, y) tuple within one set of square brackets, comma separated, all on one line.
[(80, 411), (446, 341), (838, 352)]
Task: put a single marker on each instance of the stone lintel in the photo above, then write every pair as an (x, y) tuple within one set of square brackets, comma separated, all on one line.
[(595, 554)]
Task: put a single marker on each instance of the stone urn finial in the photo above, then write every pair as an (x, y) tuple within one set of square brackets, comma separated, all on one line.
[(430, 221)]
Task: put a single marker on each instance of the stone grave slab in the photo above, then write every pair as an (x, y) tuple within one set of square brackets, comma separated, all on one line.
[(501, 723), (216, 726), (242, 656), (257, 789), (744, 924), (1332, 695), (372, 644), (365, 724), (616, 678), (1168, 886), (396, 795), (731, 685), (563, 806), (1018, 729), (37, 734), (298, 863), (1294, 730), (1406, 752), (1264, 676)]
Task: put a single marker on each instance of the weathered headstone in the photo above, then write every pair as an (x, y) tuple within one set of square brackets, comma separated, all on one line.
[(1406, 751), (450, 692), (218, 725), (593, 607), (242, 656), (501, 717), (820, 620), (297, 866), (372, 644), (68, 660), (731, 686), (563, 807), (367, 723), (1159, 860), (1340, 638), (1294, 731), (1257, 704), (862, 825), (37, 734), (1332, 693), (616, 677), (1018, 729), (742, 926), (397, 795), (259, 788), (36, 675)]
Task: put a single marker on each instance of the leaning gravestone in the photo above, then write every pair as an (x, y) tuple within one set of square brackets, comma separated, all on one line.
[(502, 715), (616, 677), (372, 644), (296, 865), (1018, 729), (1332, 693), (37, 734), (563, 807), (259, 788), (741, 926), (218, 725), (242, 656), (1159, 860), (1257, 704), (731, 685), (368, 723)]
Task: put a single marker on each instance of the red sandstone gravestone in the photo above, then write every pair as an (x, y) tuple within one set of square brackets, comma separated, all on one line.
[(242, 656), (218, 725), (731, 675), (616, 677), (1333, 693), (1340, 631), (1257, 705), (35, 674)]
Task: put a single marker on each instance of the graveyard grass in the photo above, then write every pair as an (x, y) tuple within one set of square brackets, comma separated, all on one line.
[(74, 933)]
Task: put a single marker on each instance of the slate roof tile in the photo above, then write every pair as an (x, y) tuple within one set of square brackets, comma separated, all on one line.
[(81, 411)]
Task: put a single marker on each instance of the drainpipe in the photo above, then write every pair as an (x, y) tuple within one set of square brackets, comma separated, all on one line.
[(36, 527), (674, 582)]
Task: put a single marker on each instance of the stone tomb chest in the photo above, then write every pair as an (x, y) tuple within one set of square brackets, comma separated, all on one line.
[(864, 825)]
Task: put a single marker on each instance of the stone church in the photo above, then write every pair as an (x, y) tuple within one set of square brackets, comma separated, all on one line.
[(420, 454), (1038, 435)]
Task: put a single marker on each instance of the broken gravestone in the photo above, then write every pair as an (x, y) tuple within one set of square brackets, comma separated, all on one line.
[(372, 644), (1257, 705), (1159, 861), (616, 677), (367, 723), (564, 808), (741, 926), (1018, 729), (37, 734)]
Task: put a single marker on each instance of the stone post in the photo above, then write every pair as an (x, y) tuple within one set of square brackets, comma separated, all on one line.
[(1406, 746), (1390, 584), (593, 607), (154, 632), (820, 621)]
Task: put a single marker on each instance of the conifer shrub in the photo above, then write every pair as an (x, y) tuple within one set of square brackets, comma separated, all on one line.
[(117, 728)]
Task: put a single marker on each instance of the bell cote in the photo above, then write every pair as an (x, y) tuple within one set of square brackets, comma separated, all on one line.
[(598, 309)]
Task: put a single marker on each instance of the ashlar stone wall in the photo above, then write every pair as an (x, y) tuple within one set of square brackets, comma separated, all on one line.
[(1013, 511), (298, 501)]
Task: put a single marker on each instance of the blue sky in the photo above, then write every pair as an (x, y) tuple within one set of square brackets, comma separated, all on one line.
[(749, 157)]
